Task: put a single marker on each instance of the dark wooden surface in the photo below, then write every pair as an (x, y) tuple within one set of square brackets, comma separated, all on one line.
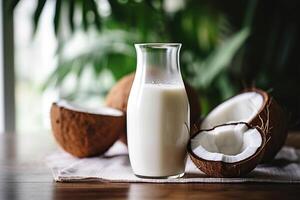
[(23, 175)]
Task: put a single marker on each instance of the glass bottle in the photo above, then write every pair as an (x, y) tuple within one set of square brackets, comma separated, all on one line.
[(158, 113)]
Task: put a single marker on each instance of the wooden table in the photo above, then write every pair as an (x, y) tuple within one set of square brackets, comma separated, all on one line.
[(23, 175)]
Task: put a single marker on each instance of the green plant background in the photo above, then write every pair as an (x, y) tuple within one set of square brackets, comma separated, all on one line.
[(227, 45)]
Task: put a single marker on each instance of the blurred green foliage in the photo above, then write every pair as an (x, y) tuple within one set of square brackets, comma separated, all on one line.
[(210, 41)]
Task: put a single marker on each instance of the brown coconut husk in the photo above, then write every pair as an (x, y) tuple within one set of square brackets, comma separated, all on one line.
[(273, 122), (222, 169), (84, 134)]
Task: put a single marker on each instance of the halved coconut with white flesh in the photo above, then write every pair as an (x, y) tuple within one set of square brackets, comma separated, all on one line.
[(85, 132), (229, 150), (258, 108)]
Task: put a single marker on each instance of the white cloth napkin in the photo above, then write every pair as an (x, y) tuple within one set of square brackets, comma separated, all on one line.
[(114, 166)]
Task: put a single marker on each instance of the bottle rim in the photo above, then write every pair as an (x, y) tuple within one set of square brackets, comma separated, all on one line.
[(157, 45)]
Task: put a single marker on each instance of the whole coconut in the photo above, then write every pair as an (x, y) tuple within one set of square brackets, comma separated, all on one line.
[(118, 97)]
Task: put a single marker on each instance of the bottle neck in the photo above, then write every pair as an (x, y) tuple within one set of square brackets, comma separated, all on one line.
[(158, 63)]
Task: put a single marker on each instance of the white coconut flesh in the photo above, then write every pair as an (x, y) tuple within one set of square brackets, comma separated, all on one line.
[(97, 111), (241, 108), (228, 143)]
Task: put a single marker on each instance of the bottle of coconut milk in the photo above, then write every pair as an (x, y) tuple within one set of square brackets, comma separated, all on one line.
[(158, 113)]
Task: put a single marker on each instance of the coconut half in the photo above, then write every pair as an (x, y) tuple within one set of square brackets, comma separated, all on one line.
[(85, 132), (241, 108), (259, 109), (229, 150)]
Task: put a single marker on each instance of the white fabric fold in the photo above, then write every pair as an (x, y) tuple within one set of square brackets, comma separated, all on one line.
[(114, 166)]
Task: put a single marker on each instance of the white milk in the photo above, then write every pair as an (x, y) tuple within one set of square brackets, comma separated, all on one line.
[(157, 129)]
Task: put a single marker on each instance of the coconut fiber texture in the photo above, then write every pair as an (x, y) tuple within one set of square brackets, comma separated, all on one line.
[(114, 166)]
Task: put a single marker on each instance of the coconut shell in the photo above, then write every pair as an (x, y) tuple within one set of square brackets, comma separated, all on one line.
[(194, 102), (222, 169), (84, 134), (118, 98), (118, 95), (273, 121)]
